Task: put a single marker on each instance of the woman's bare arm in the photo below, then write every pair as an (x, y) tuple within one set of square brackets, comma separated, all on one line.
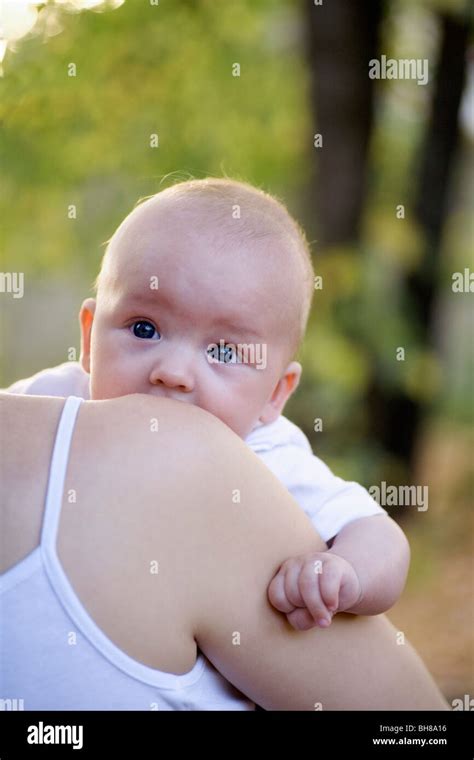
[(250, 524), (230, 524)]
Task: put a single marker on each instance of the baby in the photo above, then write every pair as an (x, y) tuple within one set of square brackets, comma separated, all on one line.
[(203, 296)]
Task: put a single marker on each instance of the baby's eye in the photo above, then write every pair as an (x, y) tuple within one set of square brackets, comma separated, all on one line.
[(225, 354), (145, 330)]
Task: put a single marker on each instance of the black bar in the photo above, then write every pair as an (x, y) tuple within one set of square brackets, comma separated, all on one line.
[(446, 734)]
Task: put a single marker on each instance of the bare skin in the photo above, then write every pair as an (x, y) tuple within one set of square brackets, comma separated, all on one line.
[(216, 556)]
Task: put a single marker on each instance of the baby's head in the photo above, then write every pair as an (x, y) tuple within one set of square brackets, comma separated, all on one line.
[(203, 296)]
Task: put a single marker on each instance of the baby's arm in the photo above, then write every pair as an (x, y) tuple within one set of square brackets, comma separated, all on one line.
[(379, 552), (363, 572), (365, 568)]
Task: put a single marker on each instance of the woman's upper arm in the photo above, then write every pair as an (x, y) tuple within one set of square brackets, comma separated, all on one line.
[(232, 524), (251, 525)]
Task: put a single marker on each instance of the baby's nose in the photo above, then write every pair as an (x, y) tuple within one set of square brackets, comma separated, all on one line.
[(173, 375)]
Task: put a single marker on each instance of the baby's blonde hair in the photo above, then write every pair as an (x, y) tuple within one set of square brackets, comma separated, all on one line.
[(260, 215)]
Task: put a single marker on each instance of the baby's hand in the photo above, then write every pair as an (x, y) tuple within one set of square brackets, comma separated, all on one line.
[(311, 588)]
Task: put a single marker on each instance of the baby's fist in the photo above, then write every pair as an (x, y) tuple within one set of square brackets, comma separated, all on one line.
[(311, 588)]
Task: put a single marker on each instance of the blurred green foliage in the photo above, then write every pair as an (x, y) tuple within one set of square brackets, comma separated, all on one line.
[(142, 70)]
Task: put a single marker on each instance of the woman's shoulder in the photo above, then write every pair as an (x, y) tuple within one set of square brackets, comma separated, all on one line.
[(164, 415)]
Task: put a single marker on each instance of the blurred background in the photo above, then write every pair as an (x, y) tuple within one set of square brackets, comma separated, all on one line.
[(385, 196)]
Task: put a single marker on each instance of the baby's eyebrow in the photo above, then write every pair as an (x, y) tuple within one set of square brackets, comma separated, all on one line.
[(235, 326), (160, 300), (146, 297)]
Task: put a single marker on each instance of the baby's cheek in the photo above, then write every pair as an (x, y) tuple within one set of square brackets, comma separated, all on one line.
[(108, 378), (241, 417), (235, 403), (221, 405)]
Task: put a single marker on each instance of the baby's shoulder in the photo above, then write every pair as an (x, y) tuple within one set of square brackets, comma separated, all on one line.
[(281, 433), (67, 379)]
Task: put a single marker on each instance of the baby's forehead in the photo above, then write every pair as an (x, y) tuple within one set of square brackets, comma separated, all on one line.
[(165, 229), (250, 259), (183, 219)]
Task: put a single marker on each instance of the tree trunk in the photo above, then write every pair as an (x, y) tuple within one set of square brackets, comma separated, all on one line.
[(395, 419), (341, 39)]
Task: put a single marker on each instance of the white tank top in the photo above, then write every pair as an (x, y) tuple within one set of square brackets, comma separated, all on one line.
[(52, 654)]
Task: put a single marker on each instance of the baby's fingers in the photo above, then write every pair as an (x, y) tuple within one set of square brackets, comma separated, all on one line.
[(277, 594), (308, 583), (329, 585), (292, 587), (301, 619)]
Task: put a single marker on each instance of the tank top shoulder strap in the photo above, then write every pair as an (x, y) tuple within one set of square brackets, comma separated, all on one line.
[(57, 472), (60, 582)]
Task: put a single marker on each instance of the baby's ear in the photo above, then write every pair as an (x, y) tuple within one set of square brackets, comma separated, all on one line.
[(285, 387), (86, 318)]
